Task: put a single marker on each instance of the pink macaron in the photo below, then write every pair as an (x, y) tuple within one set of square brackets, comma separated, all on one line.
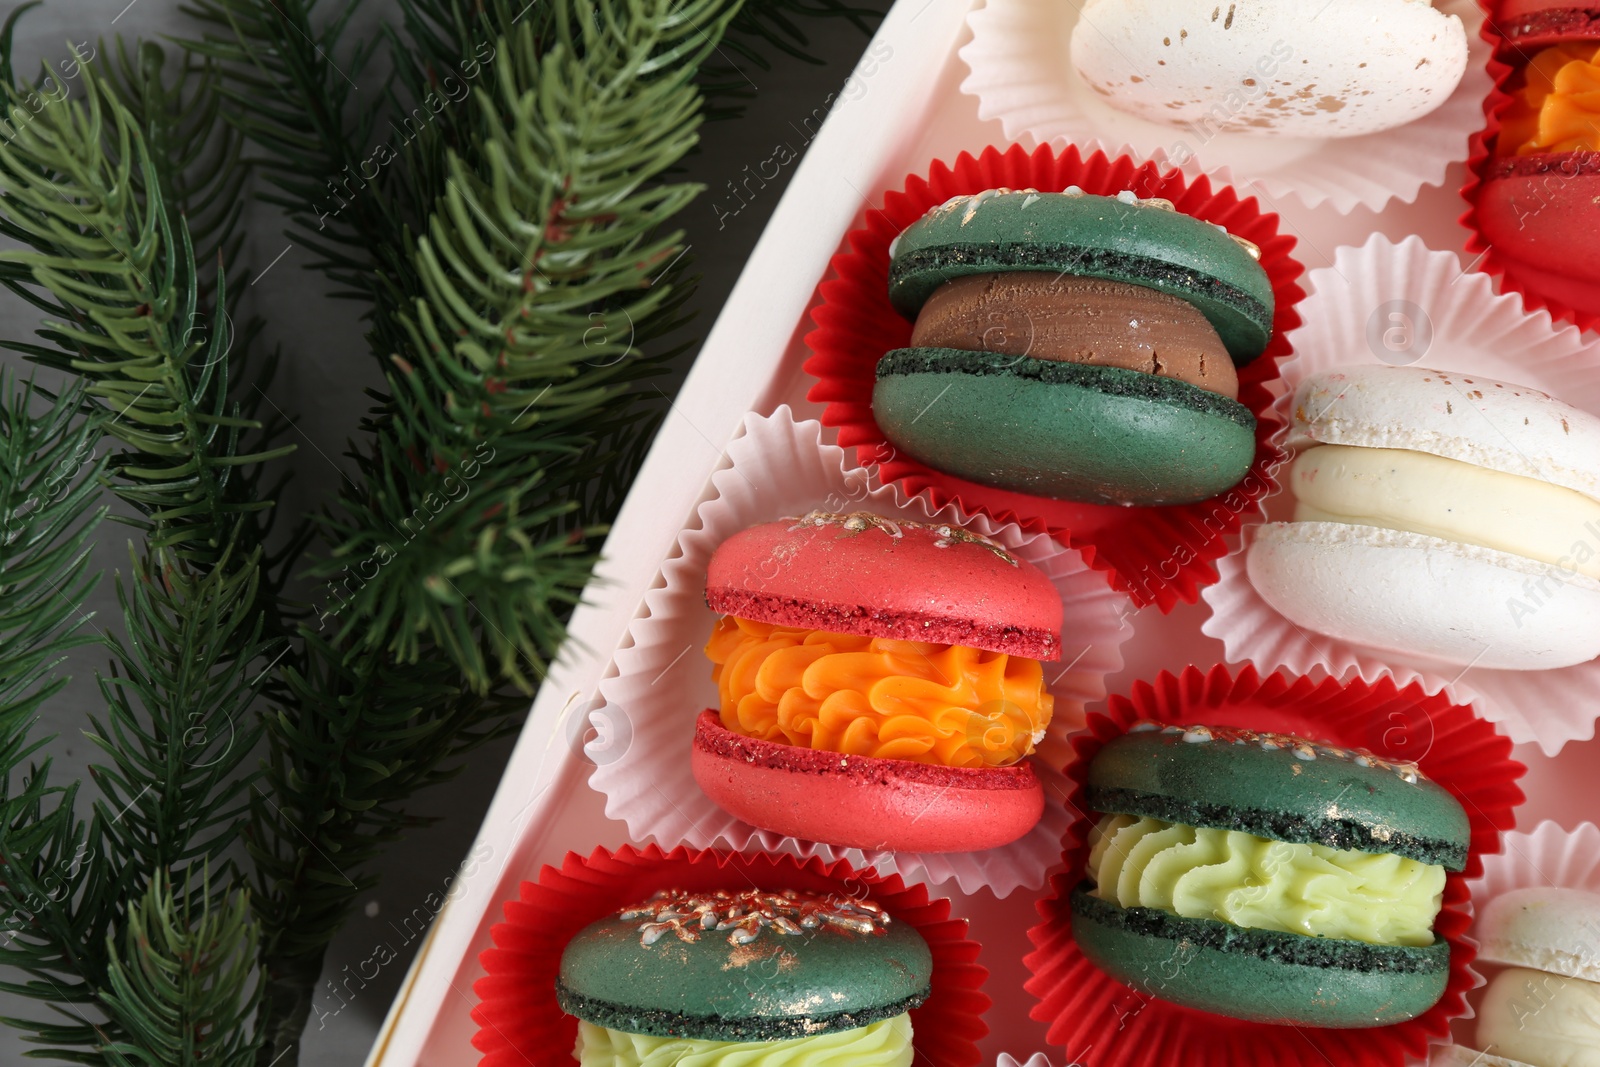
[(880, 681)]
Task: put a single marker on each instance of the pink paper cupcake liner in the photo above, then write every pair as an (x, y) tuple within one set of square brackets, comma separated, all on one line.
[(780, 468), (1021, 75), (1450, 321)]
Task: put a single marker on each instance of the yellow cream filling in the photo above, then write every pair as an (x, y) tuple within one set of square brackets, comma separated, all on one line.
[(1541, 1018), (1414, 491), (886, 1043), (1249, 881)]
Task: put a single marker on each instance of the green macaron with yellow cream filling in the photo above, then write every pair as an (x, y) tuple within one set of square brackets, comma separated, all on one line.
[(746, 976), (1267, 877), (1075, 346)]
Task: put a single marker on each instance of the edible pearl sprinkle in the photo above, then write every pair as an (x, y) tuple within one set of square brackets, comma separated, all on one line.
[(1303, 750), (860, 521), (746, 915)]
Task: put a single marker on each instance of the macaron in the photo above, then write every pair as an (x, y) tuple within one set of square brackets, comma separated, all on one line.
[(1543, 1010), (1267, 877), (1539, 204), (1445, 517), (880, 683), (1074, 346), (745, 976), (1265, 67)]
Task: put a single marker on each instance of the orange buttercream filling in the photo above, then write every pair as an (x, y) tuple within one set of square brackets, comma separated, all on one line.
[(872, 696), (1557, 108)]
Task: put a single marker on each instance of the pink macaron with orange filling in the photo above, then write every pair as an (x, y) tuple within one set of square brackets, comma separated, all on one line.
[(880, 683)]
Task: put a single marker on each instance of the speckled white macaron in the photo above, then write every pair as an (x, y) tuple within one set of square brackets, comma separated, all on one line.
[(1505, 427), (1459, 1056), (1431, 599), (1462, 599), (1279, 67), (1545, 928), (1540, 1011)]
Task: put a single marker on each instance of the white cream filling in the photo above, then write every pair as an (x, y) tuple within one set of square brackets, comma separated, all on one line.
[(1541, 1019), (1418, 492)]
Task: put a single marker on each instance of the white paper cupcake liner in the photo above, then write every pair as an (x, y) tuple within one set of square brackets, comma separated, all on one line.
[(1551, 856), (1021, 75), (663, 680), (1548, 855), (1406, 305)]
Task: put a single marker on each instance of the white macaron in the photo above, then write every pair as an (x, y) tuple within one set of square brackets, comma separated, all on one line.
[(1457, 1056), (1446, 517), (1279, 67), (1544, 928), (1543, 1010)]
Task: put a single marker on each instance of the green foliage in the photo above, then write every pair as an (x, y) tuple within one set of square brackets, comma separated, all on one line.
[(175, 982), (513, 252), (115, 274), (110, 261), (359, 738), (503, 398), (48, 472), (178, 725), (47, 514), (296, 105), (92, 919), (197, 157), (540, 268)]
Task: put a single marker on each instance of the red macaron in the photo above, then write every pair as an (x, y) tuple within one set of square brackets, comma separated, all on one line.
[(881, 683), (1537, 202), (1532, 24)]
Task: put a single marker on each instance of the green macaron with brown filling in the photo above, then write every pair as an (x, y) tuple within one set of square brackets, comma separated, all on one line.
[(726, 974), (1074, 346), (1267, 877)]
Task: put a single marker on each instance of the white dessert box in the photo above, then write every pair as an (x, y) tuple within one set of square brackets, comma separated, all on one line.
[(901, 110)]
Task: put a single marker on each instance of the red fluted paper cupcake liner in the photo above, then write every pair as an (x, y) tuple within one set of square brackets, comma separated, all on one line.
[(1157, 555), (1562, 185), (1102, 1023), (521, 1025)]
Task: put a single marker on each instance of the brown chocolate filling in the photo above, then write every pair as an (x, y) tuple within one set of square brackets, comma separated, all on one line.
[(1078, 320)]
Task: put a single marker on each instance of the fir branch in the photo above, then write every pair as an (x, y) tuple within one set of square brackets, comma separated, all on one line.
[(176, 981), (117, 274), (196, 155), (108, 258), (176, 733), (360, 738), (178, 725), (540, 272), (302, 110), (48, 488)]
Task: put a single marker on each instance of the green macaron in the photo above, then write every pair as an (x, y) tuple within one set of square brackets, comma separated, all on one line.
[(1092, 372), (1101, 435), (744, 966), (1267, 877), (1123, 238)]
